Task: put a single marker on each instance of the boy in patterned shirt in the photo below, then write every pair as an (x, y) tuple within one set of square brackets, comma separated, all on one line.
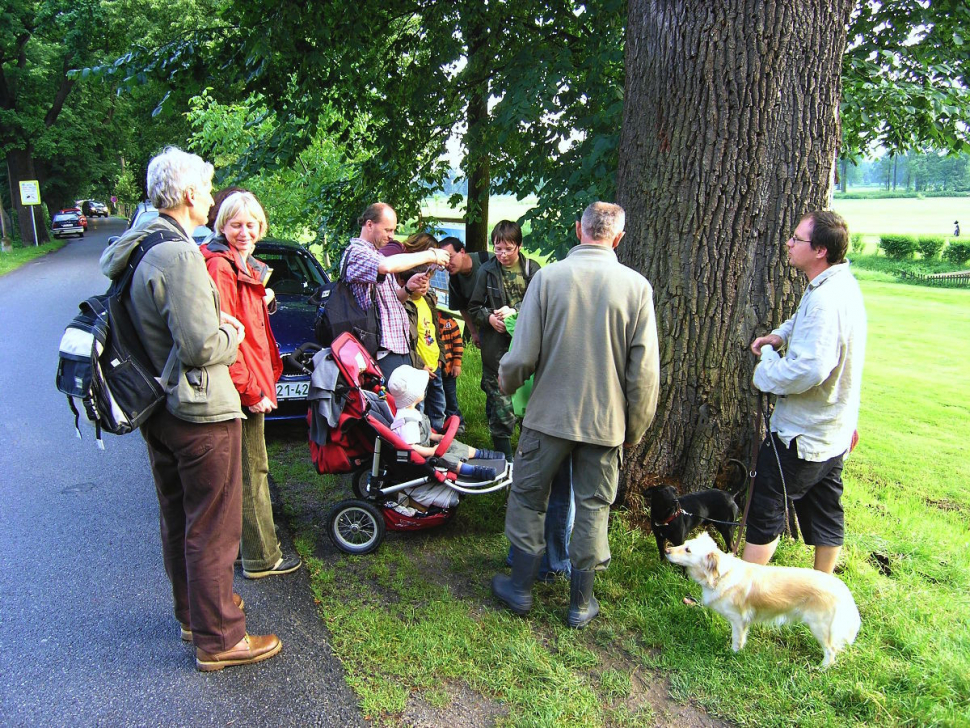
[(453, 348)]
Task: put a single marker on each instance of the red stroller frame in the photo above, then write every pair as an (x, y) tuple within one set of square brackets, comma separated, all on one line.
[(381, 462)]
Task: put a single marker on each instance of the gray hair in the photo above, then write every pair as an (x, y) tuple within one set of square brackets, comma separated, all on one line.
[(172, 173), (603, 221), (239, 202)]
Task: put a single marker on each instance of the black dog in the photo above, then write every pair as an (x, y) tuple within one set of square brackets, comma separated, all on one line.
[(673, 518)]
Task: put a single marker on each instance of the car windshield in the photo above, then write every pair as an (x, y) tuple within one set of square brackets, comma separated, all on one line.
[(61, 217), (293, 271), (144, 217)]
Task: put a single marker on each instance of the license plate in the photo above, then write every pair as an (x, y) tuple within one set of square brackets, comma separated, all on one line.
[(292, 390)]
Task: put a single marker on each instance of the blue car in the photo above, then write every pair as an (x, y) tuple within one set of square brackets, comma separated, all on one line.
[(296, 276)]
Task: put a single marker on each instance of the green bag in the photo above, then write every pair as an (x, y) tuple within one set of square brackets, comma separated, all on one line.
[(521, 397)]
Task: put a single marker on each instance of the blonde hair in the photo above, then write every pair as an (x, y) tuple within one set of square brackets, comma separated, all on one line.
[(237, 203)]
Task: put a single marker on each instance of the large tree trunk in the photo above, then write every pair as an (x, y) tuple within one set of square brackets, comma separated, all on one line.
[(477, 169), (479, 175), (20, 166), (730, 132)]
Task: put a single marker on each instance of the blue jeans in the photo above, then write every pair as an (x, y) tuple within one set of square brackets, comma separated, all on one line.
[(434, 400), (560, 515), (391, 361)]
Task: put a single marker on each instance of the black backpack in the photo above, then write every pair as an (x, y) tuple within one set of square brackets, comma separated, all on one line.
[(102, 362), (338, 312)]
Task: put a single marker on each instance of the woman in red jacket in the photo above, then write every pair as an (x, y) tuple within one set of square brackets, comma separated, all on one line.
[(240, 278)]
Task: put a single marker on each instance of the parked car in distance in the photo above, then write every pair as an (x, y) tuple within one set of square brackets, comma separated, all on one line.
[(93, 208), (145, 213), (69, 223), (80, 215), (296, 276)]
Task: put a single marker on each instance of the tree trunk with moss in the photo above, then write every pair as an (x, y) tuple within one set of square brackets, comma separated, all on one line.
[(730, 134)]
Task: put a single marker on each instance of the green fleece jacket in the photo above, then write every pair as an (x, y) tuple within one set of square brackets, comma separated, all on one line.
[(174, 303), (587, 330)]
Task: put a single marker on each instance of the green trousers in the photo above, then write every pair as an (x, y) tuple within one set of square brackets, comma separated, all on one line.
[(260, 547), (595, 472)]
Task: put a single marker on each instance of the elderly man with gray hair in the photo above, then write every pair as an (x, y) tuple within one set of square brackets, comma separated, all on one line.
[(586, 329), (194, 441)]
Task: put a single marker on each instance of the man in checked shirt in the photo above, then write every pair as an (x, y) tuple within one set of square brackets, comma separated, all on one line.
[(818, 381), (368, 270)]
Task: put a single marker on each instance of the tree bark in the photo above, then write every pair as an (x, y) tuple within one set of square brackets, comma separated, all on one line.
[(479, 176), (20, 166), (476, 157), (730, 134)]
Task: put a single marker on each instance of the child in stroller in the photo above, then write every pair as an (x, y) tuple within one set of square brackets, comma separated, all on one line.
[(396, 486), (408, 386)]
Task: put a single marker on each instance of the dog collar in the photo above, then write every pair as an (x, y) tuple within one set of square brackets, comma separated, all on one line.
[(678, 512)]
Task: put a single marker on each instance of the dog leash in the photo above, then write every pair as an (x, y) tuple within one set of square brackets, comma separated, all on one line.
[(752, 471), (791, 522)]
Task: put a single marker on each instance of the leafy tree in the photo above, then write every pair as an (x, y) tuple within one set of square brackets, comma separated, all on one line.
[(70, 134), (225, 134), (905, 79), (533, 89)]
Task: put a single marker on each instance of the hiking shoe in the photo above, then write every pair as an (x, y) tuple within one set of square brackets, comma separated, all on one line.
[(283, 566), (187, 633), (251, 648)]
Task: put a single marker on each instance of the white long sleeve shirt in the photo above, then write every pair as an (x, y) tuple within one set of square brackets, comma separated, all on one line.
[(819, 379)]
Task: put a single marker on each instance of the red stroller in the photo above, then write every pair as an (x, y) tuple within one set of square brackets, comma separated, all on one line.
[(350, 432)]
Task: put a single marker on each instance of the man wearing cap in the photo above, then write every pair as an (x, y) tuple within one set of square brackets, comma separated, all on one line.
[(595, 391)]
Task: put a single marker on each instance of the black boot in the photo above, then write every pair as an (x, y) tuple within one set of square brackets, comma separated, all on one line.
[(504, 446), (483, 454), (582, 604), (516, 590), (476, 472)]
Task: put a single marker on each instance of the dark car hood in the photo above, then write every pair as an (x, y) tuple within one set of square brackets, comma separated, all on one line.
[(293, 322)]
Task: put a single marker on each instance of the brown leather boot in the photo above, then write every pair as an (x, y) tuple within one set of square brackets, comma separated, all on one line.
[(251, 648), (187, 633)]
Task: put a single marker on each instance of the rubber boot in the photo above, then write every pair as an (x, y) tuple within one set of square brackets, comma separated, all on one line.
[(504, 446), (515, 591), (476, 472), (483, 454), (582, 604)]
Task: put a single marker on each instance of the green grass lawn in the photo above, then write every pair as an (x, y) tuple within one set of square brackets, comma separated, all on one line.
[(19, 256), (415, 623), (906, 216), (910, 216)]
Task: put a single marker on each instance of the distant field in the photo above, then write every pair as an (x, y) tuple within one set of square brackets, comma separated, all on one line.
[(909, 216), (502, 207), (931, 216)]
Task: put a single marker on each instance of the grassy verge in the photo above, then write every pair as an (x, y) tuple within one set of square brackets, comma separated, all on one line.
[(19, 256), (414, 624)]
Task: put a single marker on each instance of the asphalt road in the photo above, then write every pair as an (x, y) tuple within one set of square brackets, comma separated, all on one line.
[(87, 633)]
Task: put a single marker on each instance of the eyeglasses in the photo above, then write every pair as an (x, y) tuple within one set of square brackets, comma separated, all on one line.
[(798, 239)]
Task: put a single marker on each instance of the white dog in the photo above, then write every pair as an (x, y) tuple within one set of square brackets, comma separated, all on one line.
[(746, 593)]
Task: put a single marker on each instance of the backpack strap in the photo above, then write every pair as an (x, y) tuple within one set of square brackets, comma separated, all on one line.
[(120, 285)]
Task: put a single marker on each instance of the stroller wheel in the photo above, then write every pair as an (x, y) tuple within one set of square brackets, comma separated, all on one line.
[(360, 482), (356, 527)]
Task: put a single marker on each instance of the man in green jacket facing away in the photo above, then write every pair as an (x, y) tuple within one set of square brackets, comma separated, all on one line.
[(587, 330)]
